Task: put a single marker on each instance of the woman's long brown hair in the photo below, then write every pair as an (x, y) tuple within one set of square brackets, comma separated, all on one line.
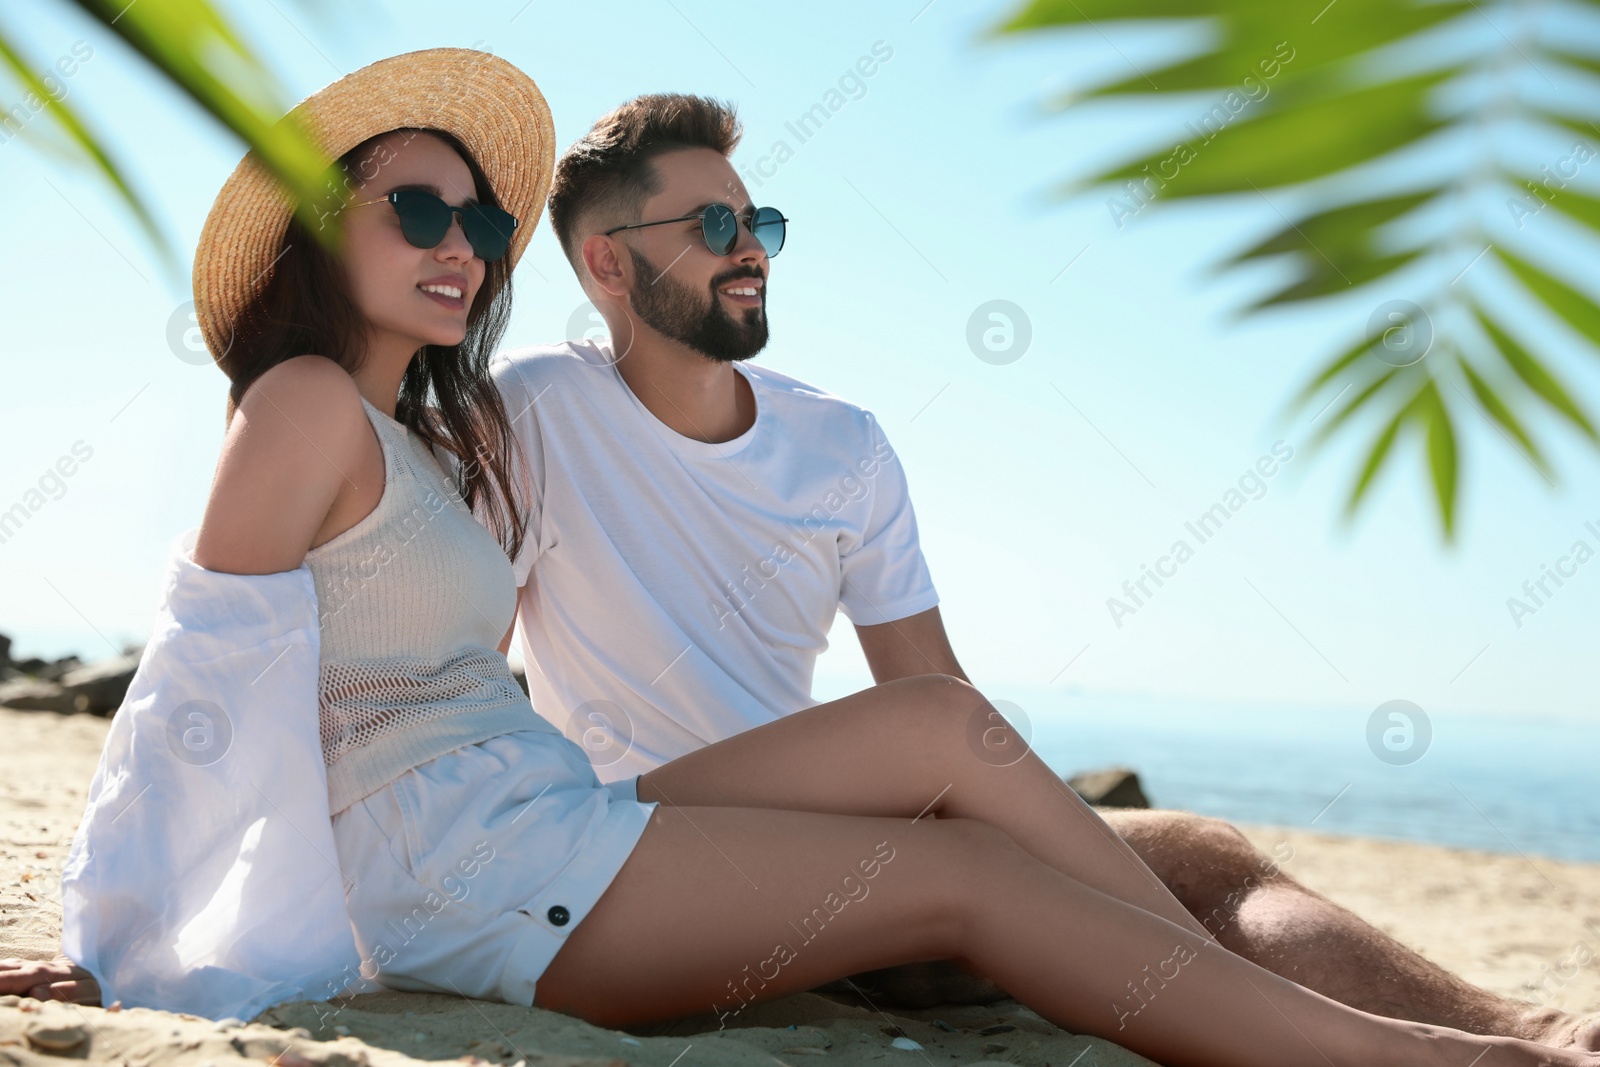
[(446, 396)]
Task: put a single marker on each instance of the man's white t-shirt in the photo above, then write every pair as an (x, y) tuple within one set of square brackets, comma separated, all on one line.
[(677, 592)]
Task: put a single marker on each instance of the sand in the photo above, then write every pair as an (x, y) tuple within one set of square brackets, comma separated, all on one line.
[(1495, 919)]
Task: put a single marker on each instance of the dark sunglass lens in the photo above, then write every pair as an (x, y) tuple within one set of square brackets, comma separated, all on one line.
[(769, 226), (721, 228), (488, 229), (424, 218)]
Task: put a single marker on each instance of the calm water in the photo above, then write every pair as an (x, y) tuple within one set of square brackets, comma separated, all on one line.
[(1505, 784)]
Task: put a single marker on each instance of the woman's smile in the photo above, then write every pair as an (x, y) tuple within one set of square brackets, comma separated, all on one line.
[(449, 290)]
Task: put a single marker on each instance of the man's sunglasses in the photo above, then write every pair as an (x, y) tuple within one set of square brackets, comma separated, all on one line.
[(425, 219), (720, 227)]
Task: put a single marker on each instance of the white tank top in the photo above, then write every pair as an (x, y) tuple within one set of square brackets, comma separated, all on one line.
[(412, 601)]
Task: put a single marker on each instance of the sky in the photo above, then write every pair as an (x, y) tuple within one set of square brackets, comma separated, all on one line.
[(1044, 477)]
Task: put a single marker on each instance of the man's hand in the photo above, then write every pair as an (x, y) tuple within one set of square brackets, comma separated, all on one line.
[(57, 979), (916, 644)]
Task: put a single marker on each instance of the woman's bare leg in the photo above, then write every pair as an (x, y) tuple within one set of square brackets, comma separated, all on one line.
[(719, 907), (930, 745)]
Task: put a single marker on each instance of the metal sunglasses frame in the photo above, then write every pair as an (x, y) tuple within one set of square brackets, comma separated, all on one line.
[(749, 224)]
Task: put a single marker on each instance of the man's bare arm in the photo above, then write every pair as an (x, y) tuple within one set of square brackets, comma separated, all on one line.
[(916, 644)]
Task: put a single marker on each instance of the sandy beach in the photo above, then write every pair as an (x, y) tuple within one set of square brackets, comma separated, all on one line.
[(1498, 920)]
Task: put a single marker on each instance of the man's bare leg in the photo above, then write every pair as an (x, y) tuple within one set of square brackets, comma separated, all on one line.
[(1254, 908)]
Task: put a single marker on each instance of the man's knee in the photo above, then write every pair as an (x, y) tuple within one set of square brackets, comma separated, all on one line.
[(1206, 862)]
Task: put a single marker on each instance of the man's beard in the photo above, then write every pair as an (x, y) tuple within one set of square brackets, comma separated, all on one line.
[(675, 310)]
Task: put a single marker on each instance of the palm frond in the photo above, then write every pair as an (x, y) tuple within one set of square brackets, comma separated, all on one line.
[(189, 43), (1307, 98), (193, 46), (67, 118)]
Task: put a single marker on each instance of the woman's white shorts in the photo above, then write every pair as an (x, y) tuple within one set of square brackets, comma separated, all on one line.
[(466, 873)]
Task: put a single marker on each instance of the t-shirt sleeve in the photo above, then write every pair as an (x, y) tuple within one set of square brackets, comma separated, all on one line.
[(527, 468), (883, 576)]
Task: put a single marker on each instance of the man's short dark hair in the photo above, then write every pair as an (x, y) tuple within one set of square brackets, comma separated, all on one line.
[(609, 174)]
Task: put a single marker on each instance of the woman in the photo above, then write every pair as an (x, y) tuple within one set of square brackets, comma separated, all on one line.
[(888, 827)]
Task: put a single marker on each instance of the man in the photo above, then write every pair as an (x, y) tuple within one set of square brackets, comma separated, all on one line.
[(697, 522)]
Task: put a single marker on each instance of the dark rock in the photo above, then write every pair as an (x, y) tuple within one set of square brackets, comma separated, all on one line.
[(1113, 787), (98, 688), (521, 676), (52, 672), (5, 650), (35, 694), (31, 665)]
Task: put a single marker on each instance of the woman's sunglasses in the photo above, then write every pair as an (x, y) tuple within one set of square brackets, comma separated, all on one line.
[(720, 227), (425, 219)]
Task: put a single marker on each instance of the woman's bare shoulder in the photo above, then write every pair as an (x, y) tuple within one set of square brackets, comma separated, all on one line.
[(303, 379), (298, 431)]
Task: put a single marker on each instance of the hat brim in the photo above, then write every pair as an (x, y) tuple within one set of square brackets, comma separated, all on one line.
[(494, 109)]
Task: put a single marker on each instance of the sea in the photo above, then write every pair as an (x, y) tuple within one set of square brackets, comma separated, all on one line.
[(1518, 784)]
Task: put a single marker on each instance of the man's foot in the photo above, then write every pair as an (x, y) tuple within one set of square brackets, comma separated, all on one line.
[(57, 979)]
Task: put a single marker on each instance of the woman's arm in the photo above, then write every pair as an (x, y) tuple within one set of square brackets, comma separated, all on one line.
[(293, 446), (57, 979)]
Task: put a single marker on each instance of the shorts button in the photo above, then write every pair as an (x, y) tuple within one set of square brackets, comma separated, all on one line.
[(558, 915)]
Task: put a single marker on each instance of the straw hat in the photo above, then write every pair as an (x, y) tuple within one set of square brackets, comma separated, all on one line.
[(493, 108)]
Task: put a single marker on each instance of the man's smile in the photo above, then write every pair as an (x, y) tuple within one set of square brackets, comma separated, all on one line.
[(745, 291)]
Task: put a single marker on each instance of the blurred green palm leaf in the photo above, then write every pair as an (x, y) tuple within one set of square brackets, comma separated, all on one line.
[(1319, 100), (190, 44)]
